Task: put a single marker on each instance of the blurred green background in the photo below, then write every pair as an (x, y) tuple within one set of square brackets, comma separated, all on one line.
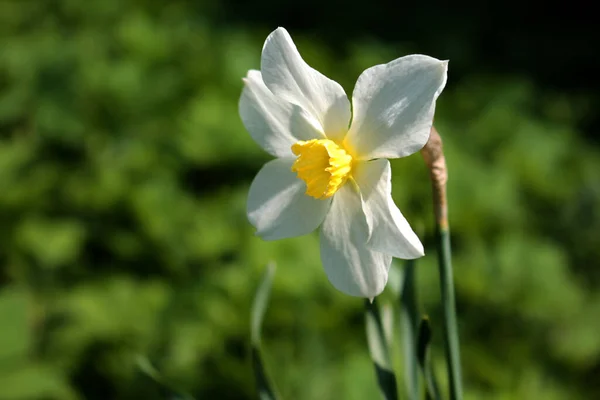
[(124, 170)]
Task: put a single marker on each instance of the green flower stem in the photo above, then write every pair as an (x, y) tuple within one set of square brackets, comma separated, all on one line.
[(448, 303), (434, 158), (409, 315)]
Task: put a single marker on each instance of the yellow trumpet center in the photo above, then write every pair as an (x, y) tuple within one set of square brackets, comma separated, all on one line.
[(323, 165)]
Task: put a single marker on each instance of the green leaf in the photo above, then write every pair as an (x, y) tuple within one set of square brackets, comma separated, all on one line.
[(423, 341), (409, 317), (379, 350), (259, 307)]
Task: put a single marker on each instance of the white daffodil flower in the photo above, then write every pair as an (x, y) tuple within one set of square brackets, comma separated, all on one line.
[(331, 168)]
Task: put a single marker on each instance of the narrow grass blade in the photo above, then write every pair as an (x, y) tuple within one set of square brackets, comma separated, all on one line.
[(379, 350), (259, 307), (166, 390), (423, 355), (409, 317)]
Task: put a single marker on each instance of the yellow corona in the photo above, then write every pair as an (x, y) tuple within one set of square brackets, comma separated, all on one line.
[(323, 165)]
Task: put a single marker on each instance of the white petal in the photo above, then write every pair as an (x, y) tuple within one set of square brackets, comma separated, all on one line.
[(350, 265), (273, 123), (289, 77), (277, 205), (389, 232), (393, 107)]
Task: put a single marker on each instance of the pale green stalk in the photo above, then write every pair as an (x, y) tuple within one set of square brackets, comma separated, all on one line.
[(265, 388)]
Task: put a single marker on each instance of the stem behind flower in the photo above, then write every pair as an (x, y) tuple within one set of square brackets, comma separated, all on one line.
[(434, 158)]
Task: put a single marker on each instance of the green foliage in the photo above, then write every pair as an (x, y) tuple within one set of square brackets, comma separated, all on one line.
[(21, 377), (423, 340), (380, 349), (124, 170)]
